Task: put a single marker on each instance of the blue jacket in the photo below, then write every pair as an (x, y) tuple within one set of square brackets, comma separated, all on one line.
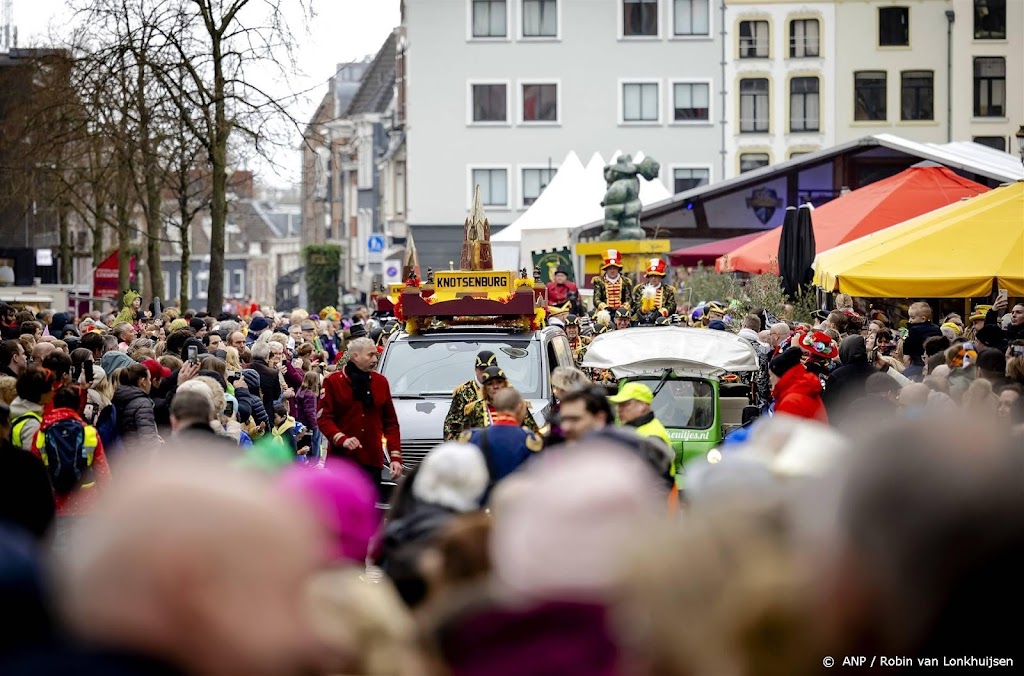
[(505, 447)]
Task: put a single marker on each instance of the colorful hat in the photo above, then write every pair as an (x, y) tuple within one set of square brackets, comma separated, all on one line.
[(633, 391), (955, 328), (611, 258), (493, 373), (656, 266), (819, 344)]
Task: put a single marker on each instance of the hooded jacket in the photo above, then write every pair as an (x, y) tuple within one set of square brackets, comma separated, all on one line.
[(847, 382), (798, 393), (135, 419)]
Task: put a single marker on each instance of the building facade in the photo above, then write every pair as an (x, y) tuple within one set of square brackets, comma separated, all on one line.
[(805, 75), (499, 91)]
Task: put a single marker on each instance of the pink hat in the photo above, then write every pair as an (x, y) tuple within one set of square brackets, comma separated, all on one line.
[(345, 501)]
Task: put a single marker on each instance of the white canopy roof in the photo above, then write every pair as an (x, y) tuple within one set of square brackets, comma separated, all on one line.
[(636, 351), (570, 201)]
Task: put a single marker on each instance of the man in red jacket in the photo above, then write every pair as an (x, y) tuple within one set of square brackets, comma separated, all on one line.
[(355, 412)]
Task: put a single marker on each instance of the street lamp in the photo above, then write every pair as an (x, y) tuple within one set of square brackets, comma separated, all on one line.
[(1020, 142)]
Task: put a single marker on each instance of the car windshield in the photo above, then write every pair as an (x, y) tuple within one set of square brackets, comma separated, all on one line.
[(434, 367), (683, 404)]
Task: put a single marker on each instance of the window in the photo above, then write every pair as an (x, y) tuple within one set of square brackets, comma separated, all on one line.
[(688, 178), (493, 186), (997, 142), (490, 103), (691, 17), (640, 102), (918, 95), (540, 18), (239, 282), (869, 95), (489, 18), (804, 104), (690, 101), (534, 182), (989, 19), (989, 86), (540, 103), (202, 283), (893, 27), (639, 18), (751, 161), (754, 105), (803, 38), (399, 188), (753, 39)]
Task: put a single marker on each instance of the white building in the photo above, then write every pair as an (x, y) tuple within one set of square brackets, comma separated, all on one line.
[(498, 91), (804, 75), (780, 73)]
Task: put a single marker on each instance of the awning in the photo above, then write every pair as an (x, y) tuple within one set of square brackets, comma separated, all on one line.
[(964, 250), (707, 253), (874, 207)]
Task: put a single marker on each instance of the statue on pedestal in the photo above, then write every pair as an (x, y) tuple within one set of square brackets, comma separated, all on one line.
[(622, 200)]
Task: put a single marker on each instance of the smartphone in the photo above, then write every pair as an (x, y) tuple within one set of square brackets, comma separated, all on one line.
[(193, 353), (76, 373), (1017, 350), (229, 410), (88, 372), (1002, 294)]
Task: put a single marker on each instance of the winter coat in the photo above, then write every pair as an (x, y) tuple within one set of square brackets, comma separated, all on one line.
[(80, 500), (913, 346), (270, 383), (846, 383), (305, 403), (135, 418), (26, 497), (798, 393), (339, 413), (402, 543), (257, 410)]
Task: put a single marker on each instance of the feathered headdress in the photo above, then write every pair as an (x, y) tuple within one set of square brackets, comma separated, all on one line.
[(648, 300), (603, 318)]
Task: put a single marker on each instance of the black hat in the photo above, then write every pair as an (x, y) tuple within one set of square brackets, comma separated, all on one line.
[(493, 373), (786, 361), (357, 331), (572, 320), (196, 324), (991, 335), (562, 269), (622, 312), (485, 358), (663, 321)]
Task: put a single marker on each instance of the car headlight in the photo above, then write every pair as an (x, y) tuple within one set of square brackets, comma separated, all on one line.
[(714, 456)]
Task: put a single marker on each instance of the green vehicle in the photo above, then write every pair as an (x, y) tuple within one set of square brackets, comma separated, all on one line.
[(684, 368)]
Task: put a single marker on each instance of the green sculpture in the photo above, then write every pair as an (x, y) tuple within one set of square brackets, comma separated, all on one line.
[(622, 200)]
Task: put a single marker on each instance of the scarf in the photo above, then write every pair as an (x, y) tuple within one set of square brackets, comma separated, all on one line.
[(360, 384)]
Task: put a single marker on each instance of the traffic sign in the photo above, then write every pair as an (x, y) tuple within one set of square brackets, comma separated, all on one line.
[(375, 244), (392, 271)]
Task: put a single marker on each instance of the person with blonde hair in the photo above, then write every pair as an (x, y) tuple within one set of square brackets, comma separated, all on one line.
[(8, 389), (232, 360)]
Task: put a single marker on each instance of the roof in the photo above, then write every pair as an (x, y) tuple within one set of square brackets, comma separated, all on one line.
[(378, 83), (970, 157), (984, 234), (248, 221), (874, 207), (707, 253)]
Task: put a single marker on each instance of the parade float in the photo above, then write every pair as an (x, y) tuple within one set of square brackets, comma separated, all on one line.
[(474, 294)]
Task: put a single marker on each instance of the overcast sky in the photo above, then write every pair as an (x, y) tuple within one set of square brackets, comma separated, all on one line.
[(343, 30)]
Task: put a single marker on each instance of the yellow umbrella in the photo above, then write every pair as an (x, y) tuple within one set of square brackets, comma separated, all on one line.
[(959, 251)]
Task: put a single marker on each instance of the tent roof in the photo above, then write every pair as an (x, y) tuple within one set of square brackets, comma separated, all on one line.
[(910, 193), (573, 198), (959, 251), (709, 251)]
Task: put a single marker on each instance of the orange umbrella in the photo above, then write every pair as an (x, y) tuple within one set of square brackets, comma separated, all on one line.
[(878, 205)]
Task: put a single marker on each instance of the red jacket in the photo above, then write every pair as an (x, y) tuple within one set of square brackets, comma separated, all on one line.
[(798, 393), (558, 293), (338, 412), (81, 499)]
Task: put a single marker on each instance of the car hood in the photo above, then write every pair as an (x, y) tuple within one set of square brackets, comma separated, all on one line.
[(424, 418)]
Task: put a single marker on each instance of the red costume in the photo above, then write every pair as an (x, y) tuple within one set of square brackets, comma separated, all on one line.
[(339, 412)]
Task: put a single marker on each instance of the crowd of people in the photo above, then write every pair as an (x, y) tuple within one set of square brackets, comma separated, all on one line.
[(187, 494)]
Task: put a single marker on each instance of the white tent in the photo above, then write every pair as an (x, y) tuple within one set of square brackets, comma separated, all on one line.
[(571, 201)]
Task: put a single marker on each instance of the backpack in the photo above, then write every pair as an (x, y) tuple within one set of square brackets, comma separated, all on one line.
[(106, 426), (67, 448)]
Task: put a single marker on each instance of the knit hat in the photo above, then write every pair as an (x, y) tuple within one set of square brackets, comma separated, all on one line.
[(785, 361), (990, 335), (453, 475), (114, 360), (257, 324), (952, 327), (178, 324), (251, 378), (344, 501), (155, 368)]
